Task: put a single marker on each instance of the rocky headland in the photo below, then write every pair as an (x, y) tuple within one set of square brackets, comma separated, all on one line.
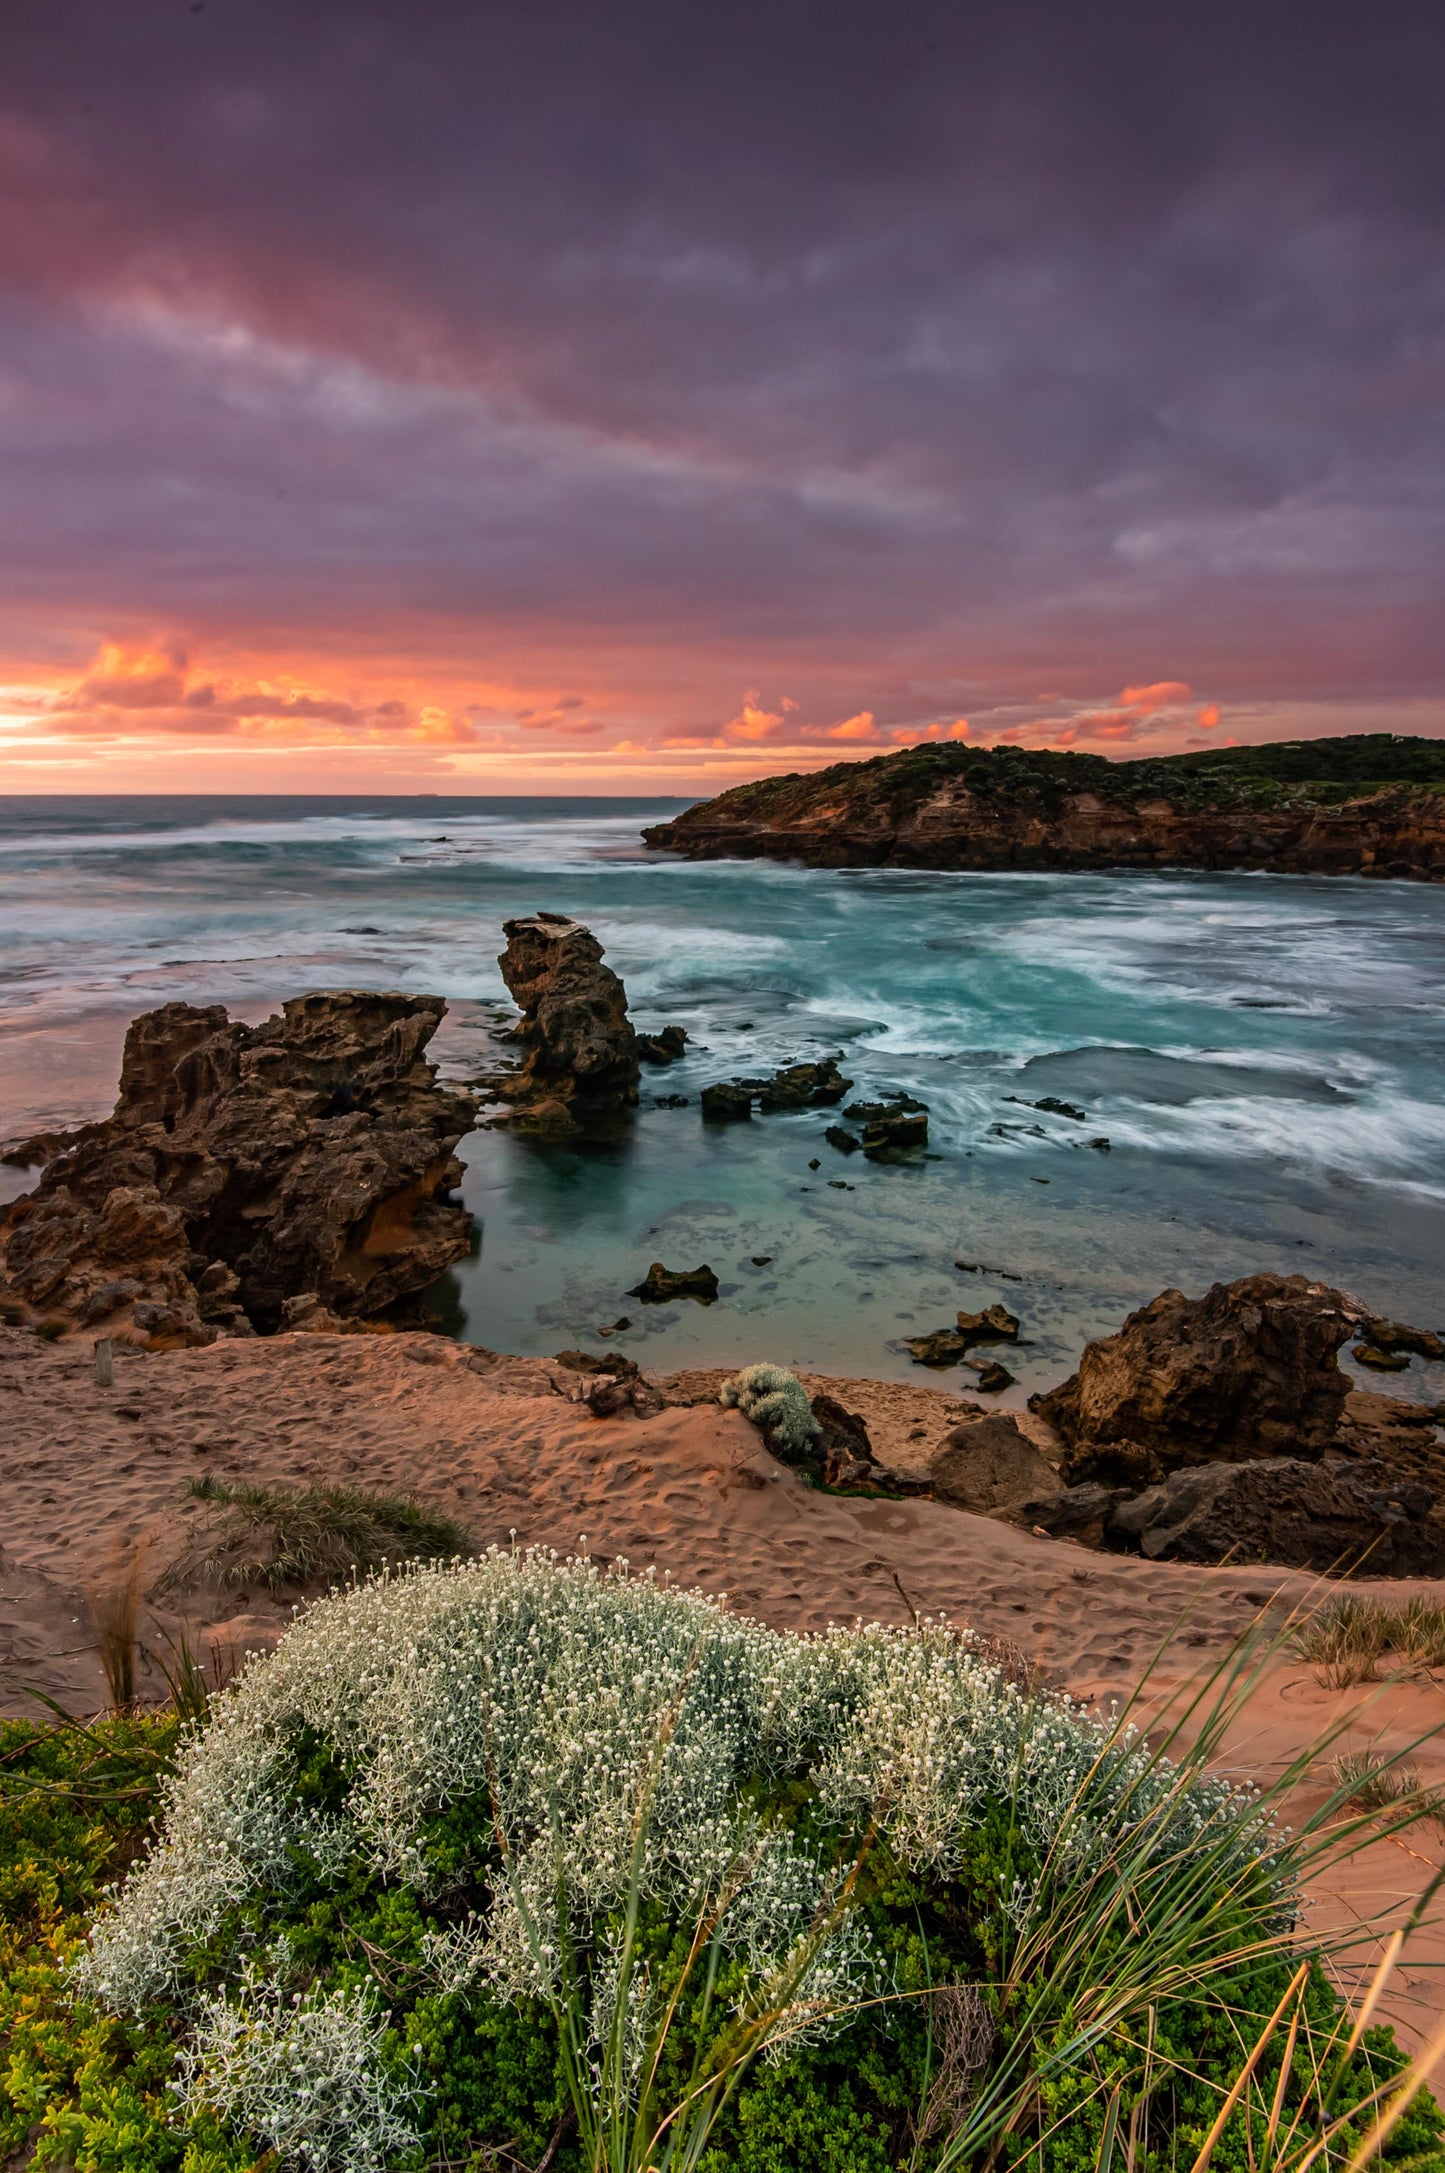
[(1371, 804), (248, 1178)]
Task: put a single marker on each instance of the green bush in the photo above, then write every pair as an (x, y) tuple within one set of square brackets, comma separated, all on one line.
[(454, 1849)]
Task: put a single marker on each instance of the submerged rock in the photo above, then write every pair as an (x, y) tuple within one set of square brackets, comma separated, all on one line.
[(1246, 1371), (992, 1377), (1331, 1516), (944, 1347), (1382, 1361), (1394, 1336), (245, 1166), (661, 1284), (581, 1066), (845, 1142)]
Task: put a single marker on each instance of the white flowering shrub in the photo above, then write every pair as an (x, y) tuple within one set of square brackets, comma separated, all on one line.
[(300, 2073), (777, 1401), (548, 1775)]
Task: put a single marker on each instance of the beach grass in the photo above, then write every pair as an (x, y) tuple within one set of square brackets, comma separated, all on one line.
[(290, 1535)]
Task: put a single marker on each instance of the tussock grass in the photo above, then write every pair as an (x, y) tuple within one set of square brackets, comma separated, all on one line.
[(114, 1609), (280, 1535), (1346, 1642)]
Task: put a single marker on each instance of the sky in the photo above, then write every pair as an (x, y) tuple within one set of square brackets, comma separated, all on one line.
[(527, 395)]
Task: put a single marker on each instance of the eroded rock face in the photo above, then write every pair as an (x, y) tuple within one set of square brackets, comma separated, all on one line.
[(1246, 1371), (247, 1166), (581, 1064), (1332, 1516)]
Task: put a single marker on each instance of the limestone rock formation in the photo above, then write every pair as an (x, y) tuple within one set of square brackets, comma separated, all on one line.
[(581, 1060), (1246, 1371), (1331, 1515), (247, 1166)]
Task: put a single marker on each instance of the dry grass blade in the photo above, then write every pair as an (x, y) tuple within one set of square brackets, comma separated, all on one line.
[(963, 2033), (114, 1609), (1383, 1784), (280, 1535)]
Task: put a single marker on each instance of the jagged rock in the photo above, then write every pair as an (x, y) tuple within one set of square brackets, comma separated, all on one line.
[(1393, 1335), (995, 1324), (992, 1376), (669, 1101), (842, 1454), (1330, 1515), (844, 1141), (803, 1086), (247, 1165), (1381, 1361), (944, 1347), (663, 1047), (581, 1065), (896, 1105), (726, 1102), (895, 1135), (661, 1284), (1246, 1371), (1052, 1106), (1400, 1435)]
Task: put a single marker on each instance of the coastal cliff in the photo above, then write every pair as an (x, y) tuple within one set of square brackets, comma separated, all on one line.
[(1373, 804)]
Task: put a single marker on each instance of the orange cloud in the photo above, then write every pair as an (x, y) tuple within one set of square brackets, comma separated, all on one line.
[(755, 723), (1208, 717), (910, 734), (1158, 696), (860, 727)]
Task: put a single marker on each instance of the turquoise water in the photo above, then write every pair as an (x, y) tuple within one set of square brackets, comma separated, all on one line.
[(1264, 1055)]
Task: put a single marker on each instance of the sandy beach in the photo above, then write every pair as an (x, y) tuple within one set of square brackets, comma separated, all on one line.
[(92, 1474)]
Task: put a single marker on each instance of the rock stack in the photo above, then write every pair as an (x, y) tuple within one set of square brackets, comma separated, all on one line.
[(581, 1056)]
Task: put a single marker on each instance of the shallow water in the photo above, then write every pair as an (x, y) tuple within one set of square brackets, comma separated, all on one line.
[(1264, 1055)]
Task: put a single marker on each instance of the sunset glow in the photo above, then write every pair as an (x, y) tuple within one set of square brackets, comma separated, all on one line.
[(352, 442)]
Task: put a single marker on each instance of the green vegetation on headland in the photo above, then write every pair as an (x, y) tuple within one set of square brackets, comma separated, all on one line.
[(1321, 772), (513, 1864), (1372, 804)]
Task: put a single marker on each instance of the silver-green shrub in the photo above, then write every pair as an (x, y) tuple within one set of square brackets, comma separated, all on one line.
[(775, 1399), (617, 1728), (300, 2073)]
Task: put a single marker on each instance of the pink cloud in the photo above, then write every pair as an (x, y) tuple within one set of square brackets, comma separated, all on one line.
[(1208, 717)]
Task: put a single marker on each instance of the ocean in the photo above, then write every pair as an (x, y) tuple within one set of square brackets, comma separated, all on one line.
[(1264, 1054)]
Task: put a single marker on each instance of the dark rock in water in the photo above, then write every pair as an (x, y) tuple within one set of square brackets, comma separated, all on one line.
[(616, 1327), (1052, 1106), (1246, 1371), (1102, 1145), (992, 1376), (995, 1324), (874, 1112), (1367, 1354), (815, 1164), (1330, 1515), (669, 1101), (660, 1285), (843, 1141), (944, 1347), (587, 1362), (245, 1166), (663, 1047), (1393, 1335), (895, 1135), (581, 1064), (726, 1102), (762, 1259), (804, 1086)]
